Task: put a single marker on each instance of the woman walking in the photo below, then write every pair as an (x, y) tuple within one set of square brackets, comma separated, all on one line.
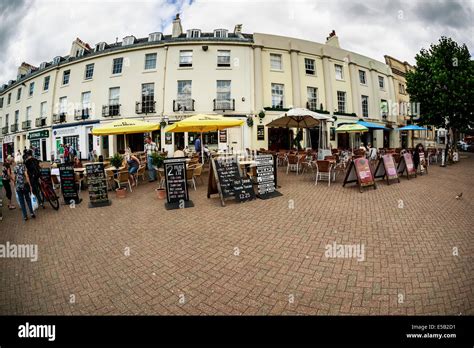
[(23, 187), (6, 180)]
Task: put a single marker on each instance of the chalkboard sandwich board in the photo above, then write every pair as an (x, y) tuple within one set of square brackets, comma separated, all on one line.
[(68, 184), (223, 174), (176, 184), (97, 181), (266, 177), (243, 190), (406, 165), (386, 169), (359, 171)]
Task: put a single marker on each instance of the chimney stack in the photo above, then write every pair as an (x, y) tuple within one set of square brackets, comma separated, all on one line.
[(332, 39), (177, 28)]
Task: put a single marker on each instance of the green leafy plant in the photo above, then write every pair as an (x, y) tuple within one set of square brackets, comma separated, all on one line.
[(157, 159), (261, 115), (249, 122), (163, 124), (116, 160)]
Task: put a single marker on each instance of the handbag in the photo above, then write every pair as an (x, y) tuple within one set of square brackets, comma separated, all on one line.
[(34, 202)]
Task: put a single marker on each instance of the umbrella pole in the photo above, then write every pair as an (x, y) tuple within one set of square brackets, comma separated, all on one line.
[(202, 149)]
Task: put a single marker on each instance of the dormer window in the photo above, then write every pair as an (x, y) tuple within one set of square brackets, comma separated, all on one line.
[(128, 40), (43, 65), (193, 33), (154, 37), (56, 60), (220, 33), (100, 47), (80, 52)]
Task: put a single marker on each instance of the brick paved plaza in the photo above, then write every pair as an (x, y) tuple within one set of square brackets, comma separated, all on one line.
[(260, 257)]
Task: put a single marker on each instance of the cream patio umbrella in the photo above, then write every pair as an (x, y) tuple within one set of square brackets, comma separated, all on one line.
[(204, 123), (352, 128)]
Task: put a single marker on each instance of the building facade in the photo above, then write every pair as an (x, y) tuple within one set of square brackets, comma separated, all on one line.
[(165, 78)]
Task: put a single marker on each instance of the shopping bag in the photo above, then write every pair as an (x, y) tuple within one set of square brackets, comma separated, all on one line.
[(34, 202)]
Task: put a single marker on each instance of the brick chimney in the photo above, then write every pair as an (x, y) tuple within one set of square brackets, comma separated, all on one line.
[(177, 28)]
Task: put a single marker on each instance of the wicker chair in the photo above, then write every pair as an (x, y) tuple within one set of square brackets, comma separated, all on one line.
[(123, 178), (190, 175), (293, 163)]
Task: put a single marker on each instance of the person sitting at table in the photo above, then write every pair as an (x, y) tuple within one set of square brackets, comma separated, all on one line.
[(77, 163), (133, 164), (179, 152)]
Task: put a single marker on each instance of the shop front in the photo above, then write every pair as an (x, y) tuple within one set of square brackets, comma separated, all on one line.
[(40, 144), (8, 146), (78, 136)]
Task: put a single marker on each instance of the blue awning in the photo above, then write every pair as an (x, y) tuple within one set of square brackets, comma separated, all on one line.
[(412, 127), (372, 125)]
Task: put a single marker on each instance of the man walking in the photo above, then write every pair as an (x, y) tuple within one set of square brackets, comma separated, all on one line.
[(150, 148)]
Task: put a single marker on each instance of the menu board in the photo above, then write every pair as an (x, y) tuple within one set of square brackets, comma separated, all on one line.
[(176, 183), (363, 172), (243, 190), (68, 183), (227, 173), (45, 174), (406, 165), (386, 169), (97, 182), (359, 171), (260, 133), (266, 177), (423, 166), (223, 136)]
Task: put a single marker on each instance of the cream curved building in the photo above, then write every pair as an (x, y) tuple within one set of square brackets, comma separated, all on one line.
[(165, 78)]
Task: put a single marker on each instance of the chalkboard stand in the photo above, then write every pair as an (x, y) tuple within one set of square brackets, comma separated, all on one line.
[(214, 186), (261, 180), (176, 205), (402, 168)]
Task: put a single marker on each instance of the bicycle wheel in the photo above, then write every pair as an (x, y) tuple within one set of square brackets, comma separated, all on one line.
[(52, 198)]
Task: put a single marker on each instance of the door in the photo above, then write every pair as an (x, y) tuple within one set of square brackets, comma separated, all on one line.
[(43, 150)]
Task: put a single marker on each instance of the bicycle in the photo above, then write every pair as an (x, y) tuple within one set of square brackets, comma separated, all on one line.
[(46, 192)]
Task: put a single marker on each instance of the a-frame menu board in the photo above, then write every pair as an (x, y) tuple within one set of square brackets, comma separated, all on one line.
[(359, 171), (223, 173), (386, 169), (406, 165)]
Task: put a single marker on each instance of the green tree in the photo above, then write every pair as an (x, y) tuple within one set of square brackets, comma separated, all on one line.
[(443, 85)]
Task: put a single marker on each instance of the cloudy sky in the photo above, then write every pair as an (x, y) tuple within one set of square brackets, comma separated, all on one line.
[(37, 30)]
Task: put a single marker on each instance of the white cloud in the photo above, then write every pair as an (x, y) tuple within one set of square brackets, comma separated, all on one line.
[(374, 28)]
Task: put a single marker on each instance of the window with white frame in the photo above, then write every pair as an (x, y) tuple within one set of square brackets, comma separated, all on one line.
[(9, 98), (381, 82), (365, 105), (89, 72), (312, 93), (17, 116), (193, 33), (148, 97), (100, 46), (43, 110), (56, 60), (63, 105), (184, 95), (18, 94), (150, 61), (28, 113), (31, 89), (276, 61), (220, 33), (383, 108), (46, 83), (86, 100), (277, 95), (223, 58), (186, 58), (128, 40), (309, 66), (339, 72), (362, 77), (114, 96), (117, 65), (66, 76), (223, 99), (154, 37), (341, 101)]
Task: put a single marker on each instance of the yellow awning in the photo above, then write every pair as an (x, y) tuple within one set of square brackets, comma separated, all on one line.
[(204, 123), (125, 126)]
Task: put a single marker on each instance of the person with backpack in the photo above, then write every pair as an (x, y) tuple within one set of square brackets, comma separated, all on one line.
[(34, 173)]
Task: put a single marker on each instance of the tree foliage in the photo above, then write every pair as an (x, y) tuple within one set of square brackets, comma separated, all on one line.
[(443, 84)]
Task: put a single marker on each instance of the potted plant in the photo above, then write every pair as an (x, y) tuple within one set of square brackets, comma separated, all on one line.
[(249, 121), (163, 124), (121, 192), (261, 115), (116, 160), (157, 162)]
